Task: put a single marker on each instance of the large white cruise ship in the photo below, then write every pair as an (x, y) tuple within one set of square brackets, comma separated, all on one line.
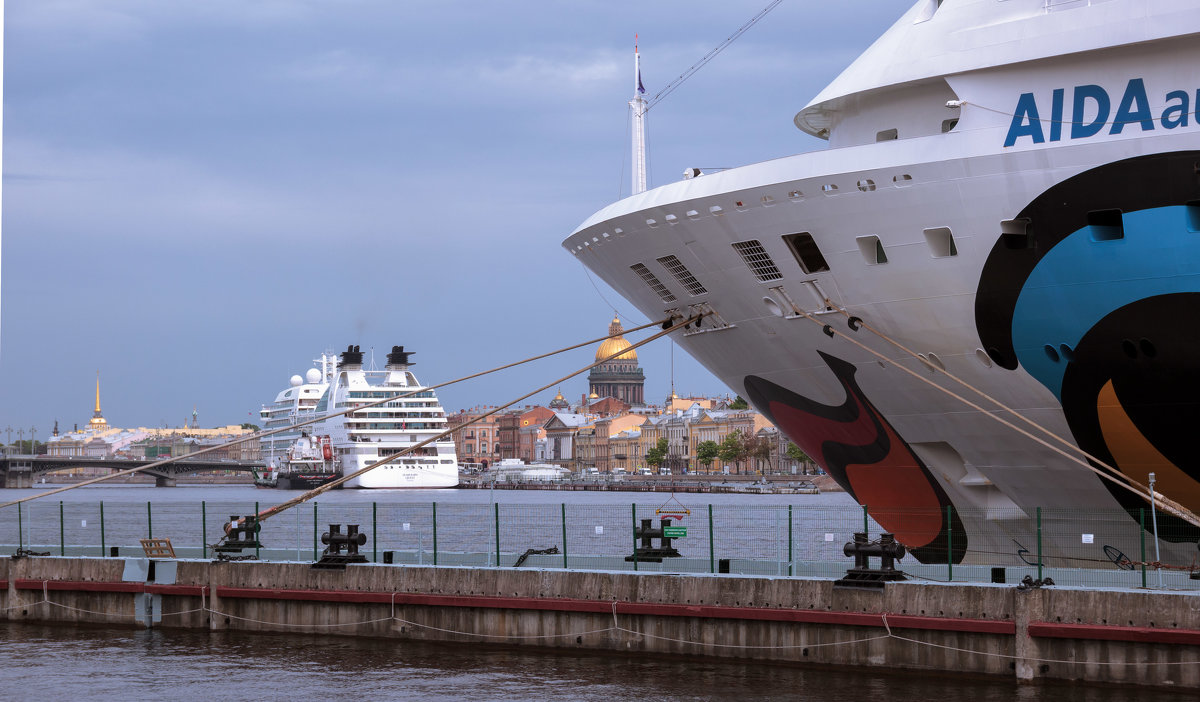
[(361, 438), (1011, 194)]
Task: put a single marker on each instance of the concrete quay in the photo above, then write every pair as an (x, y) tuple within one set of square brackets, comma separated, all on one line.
[(1129, 637)]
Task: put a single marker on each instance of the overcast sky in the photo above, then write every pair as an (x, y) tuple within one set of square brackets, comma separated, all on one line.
[(201, 197)]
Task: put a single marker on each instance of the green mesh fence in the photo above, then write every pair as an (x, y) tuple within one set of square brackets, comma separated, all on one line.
[(1114, 548)]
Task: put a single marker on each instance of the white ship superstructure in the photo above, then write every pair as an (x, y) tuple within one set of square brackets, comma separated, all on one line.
[(1009, 192), (360, 438)]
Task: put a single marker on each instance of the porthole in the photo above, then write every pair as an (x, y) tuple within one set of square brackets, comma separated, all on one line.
[(1129, 348), (1066, 352), (1051, 353), (866, 185), (983, 358), (1148, 349)]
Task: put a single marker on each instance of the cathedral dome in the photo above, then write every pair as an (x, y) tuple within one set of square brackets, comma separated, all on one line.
[(616, 345)]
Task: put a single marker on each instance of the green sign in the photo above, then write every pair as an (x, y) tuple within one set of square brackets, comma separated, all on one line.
[(674, 532)]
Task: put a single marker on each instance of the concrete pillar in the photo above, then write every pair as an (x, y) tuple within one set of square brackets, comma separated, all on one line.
[(164, 481), (1028, 606)]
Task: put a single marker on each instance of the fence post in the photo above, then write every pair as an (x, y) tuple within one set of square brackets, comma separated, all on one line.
[(20, 529), (633, 510), (1039, 530), (435, 545), (62, 531), (103, 550), (564, 530), (789, 540), (1142, 522), (712, 562), (949, 545), (203, 529), (149, 521), (496, 510), (257, 524), (314, 531), (374, 532), (865, 530)]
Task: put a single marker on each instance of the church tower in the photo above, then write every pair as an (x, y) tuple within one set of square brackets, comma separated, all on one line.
[(618, 377)]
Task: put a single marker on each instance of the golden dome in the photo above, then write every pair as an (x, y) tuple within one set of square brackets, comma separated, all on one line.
[(616, 345), (593, 396), (559, 395)]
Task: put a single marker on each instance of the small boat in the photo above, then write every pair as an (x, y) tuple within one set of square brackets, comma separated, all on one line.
[(308, 463)]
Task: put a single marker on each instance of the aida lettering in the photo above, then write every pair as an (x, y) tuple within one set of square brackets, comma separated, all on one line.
[(1092, 111)]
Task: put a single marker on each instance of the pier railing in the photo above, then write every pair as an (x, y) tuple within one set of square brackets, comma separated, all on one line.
[(1070, 547)]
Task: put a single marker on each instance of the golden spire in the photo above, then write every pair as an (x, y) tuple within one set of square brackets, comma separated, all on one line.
[(97, 421)]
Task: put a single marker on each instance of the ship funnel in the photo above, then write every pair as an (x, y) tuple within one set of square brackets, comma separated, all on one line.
[(352, 357), (398, 358)]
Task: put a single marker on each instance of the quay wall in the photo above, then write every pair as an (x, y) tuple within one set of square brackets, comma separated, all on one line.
[(1129, 637)]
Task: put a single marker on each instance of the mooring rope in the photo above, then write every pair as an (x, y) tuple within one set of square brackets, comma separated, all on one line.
[(367, 405), (1168, 505), (1060, 439)]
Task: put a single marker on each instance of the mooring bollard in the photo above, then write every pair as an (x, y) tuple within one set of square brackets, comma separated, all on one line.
[(646, 551), (239, 534), (333, 558), (862, 575)]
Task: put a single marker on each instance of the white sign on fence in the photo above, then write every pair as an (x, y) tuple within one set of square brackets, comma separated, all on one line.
[(1088, 538)]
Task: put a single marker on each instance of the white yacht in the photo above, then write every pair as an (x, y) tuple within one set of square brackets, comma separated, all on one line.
[(350, 442), (1009, 194)]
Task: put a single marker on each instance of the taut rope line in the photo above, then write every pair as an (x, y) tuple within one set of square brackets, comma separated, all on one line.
[(1168, 504), (259, 435), (1070, 446)]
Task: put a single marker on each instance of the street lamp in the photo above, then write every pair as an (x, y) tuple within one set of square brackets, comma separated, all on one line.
[(32, 440), (20, 440)]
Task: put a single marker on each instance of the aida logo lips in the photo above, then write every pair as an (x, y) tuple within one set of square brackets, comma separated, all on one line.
[(867, 457), (1091, 109)]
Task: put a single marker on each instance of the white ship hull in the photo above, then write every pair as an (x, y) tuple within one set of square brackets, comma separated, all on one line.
[(992, 250)]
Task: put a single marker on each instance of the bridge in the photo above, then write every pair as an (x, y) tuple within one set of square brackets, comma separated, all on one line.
[(23, 471)]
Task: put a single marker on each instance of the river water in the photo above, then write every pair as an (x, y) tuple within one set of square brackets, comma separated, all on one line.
[(70, 663), (78, 663)]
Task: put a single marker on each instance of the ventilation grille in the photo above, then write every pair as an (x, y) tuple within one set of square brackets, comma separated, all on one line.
[(758, 260), (653, 281), (683, 275)]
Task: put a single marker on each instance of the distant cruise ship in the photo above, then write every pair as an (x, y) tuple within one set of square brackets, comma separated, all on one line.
[(1010, 193), (358, 439)]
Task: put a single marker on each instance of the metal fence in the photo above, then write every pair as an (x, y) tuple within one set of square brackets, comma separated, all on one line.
[(1096, 549)]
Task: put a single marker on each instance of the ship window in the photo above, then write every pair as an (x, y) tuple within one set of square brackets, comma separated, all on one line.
[(692, 214), (807, 254), (683, 275), (1105, 225), (941, 242), (949, 124), (758, 260), (829, 188), (716, 211), (872, 249), (1016, 234), (671, 219), (795, 196), (767, 200), (654, 283), (902, 180), (649, 223), (866, 185), (887, 135)]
